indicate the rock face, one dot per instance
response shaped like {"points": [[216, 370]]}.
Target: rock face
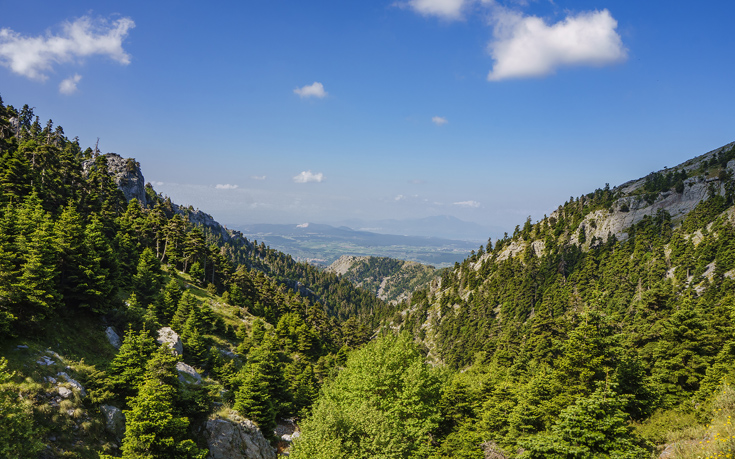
{"points": [[187, 374], [238, 438], [114, 421], [113, 338], [166, 335], [126, 174]]}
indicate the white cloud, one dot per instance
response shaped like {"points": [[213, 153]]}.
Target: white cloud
{"points": [[445, 9], [226, 186], [315, 89], [439, 121], [468, 204], [33, 57], [400, 197], [308, 176], [525, 46], [69, 86], [257, 177]]}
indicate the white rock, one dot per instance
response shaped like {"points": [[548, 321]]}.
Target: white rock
{"points": [[166, 335], [187, 374], [113, 338], [74, 383], [45, 361], [114, 421], [238, 438], [64, 392]]}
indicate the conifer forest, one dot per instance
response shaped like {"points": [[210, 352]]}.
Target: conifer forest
{"points": [[135, 327]]}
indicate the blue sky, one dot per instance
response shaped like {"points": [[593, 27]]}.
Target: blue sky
{"points": [[292, 111]]}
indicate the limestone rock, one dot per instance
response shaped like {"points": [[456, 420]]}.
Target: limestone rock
{"points": [[126, 174], [64, 392], [237, 438], [73, 383], [114, 421], [171, 338], [187, 374], [113, 338]]}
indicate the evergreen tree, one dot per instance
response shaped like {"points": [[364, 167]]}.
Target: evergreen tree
{"points": [[383, 404], [148, 277], [152, 428], [595, 426]]}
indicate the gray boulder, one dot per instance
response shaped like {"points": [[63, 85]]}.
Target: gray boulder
{"points": [[114, 421], [113, 338], [187, 374], [73, 383], [167, 336], [236, 438]]}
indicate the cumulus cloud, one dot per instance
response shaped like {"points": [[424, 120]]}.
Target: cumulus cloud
{"points": [[526, 46], [34, 57], [308, 176], [226, 186], [445, 9], [468, 204], [315, 89], [257, 177], [69, 86], [439, 121]]}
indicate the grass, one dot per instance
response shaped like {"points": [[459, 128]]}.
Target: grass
{"points": [[684, 438]]}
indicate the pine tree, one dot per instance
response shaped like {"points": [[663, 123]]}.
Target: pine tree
{"points": [[148, 278], [127, 370], [153, 430]]}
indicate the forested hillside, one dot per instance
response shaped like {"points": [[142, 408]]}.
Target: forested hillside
{"points": [[86, 252], [389, 279], [603, 330]]}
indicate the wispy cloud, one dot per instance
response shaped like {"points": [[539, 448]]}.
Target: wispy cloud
{"points": [[315, 89], [257, 177], [445, 9], [69, 86], [308, 176], [526, 46], [34, 57], [226, 186], [439, 121], [468, 204]]}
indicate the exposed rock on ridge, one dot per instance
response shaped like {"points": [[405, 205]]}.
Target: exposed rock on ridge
{"points": [[126, 174], [631, 207], [237, 438]]}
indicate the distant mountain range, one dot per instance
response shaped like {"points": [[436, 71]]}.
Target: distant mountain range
{"points": [[441, 226], [323, 244]]}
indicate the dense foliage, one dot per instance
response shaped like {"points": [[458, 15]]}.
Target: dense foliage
{"points": [[565, 347], [267, 330]]}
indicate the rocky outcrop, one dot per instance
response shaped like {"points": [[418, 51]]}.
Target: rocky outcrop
{"points": [[187, 374], [114, 421], [126, 173], [236, 438], [167, 336], [73, 383], [113, 338]]}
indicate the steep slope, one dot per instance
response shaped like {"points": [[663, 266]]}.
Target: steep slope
{"points": [[389, 279], [620, 301], [204, 318]]}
